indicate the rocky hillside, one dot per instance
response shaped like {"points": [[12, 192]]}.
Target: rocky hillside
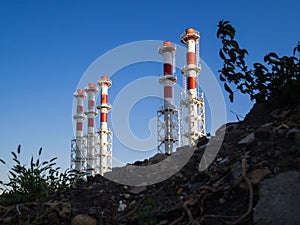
{"points": [[255, 179]]}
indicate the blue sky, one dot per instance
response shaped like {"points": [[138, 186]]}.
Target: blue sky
{"points": [[46, 46]]}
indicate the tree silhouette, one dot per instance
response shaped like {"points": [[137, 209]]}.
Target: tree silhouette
{"points": [[277, 79]]}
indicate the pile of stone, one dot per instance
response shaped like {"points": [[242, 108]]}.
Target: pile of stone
{"points": [[254, 179]]}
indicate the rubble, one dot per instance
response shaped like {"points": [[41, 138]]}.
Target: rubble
{"points": [[122, 206], [254, 154]]}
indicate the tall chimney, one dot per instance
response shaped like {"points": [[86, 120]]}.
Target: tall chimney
{"points": [[193, 102], [91, 91], [79, 117], [105, 133], [166, 129]]}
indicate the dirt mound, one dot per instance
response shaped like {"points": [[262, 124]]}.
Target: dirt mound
{"points": [[265, 145]]}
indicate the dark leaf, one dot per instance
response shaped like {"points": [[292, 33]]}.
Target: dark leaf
{"points": [[245, 68], [230, 30], [293, 59], [231, 97], [269, 56], [53, 159], [17, 161], [227, 88], [297, 48], [51, 164], [234, 44], [13, 174], [248, 77], [229, 27], [14, 154], [245, 51], [219, 33], [274, 55], [224, 22], [239, 76], [221, 53], [2, 161], [221, 30], [232, 55], [19, 149], [40, 151], [222, 78], [31, 162]]}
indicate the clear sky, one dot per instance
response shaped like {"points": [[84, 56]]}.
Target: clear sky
{"points": [[46, 46]]}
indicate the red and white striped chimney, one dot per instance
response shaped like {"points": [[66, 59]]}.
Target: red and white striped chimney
{"points": [[191, 39], [168, 80], [104, 107], [91, 91], [194, 102], [168, 51], [79, 117]]}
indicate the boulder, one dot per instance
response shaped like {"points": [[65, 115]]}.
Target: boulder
{"points": [[83, 219], [279, 113], [263, 132], [137, 189], [279, 200], [281, 129], [248, 139], [294, 134]]}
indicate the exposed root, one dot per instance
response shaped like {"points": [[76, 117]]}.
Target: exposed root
{"points": [[174, 222], [5, 214], [188, 211], [250, 204]]}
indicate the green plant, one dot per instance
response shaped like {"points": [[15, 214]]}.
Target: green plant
{"points": [[277, 79], [147, 214], [36, 181], [295, 149]]}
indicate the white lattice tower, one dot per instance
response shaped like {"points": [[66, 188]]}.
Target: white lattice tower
{"points": [[105, 134], [192, 103], [78, 158], [91, 91], [167, 116]]}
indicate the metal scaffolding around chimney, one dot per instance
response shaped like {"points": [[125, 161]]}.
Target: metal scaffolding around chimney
{"points": [[192, 109], [167, 115]]}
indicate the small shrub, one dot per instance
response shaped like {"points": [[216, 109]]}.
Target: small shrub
{"points": [[36, 181], [295, 149], [147, 214]]}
